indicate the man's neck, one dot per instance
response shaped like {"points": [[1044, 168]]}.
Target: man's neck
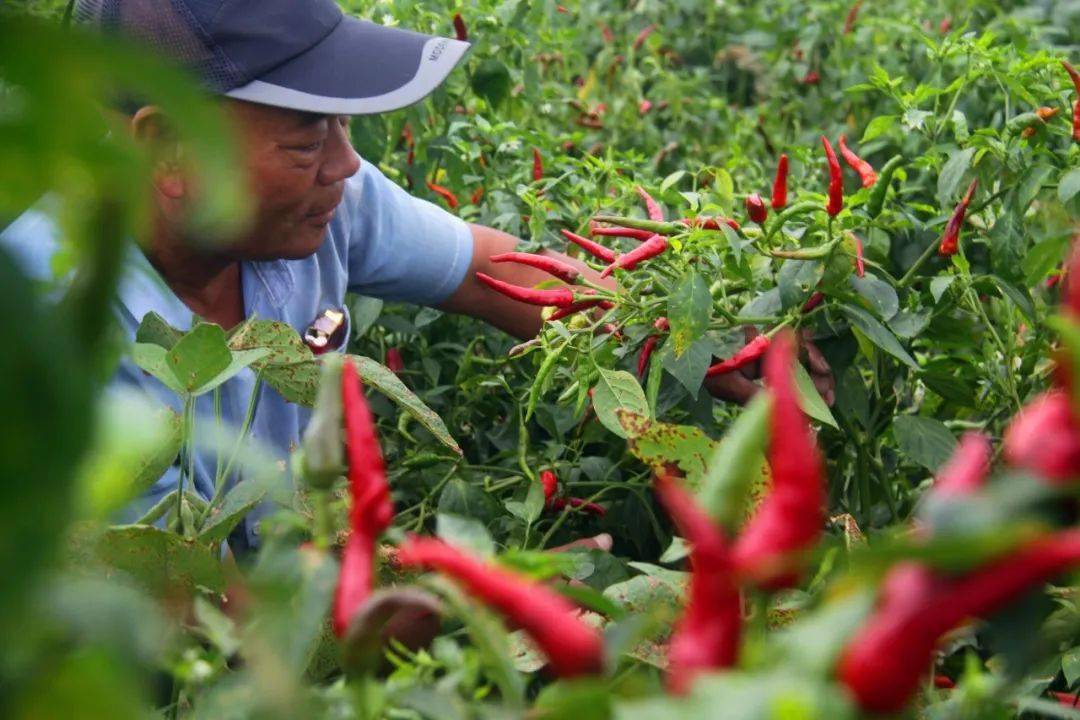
{"points": [[208, 284]]}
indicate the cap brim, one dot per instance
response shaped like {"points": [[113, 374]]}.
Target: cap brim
{"points": [[360, 68]]}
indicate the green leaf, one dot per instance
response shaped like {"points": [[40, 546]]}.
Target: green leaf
{"points": [[615, 390], [671, 180], [363, 313], [923, 440], [939, 285], [689, 369], [952, 175], [154, 330], [491, 81], [879, 294], [878, 126], [1070, 665], [153, 359], [735, 465], [810, 399], [878, 334], [199, 357], [1069, 185], [162, 562], [238, 502], [689, 311], [660, 445], [382, 379], [137, 441], [1019, 297], [467, 533]]}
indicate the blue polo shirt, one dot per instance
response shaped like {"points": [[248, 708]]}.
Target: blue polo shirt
{"points": [[382, 242]]}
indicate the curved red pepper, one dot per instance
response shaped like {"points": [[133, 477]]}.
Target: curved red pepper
{"points": [[550, 265], [884, 662], [643, 36], [579, 306], [965, 472], [595, 249], [558, 297], [950, 239], [572, 647], [634, 233], [645, 251], [864, 169], [779, 188], [460, 31], [750, 352], [1044, 437], [710, 223], [370, 510], [449, 197], [790, 518], [538, 165], [646, 353], [836, 180], [652, 209], [707, 635]]}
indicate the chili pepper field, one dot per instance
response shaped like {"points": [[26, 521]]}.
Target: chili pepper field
{"points": [[573, 526]]}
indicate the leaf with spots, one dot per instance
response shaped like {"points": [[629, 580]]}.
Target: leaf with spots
{"points": [[661, 446]]}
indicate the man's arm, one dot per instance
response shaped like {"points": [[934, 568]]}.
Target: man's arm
{"points": [[477, 300]]}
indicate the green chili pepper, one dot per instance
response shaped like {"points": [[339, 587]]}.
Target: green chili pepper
{"points": [[546, 368], [1021, 122], [812, 253], [799, 208], [881, 189]]}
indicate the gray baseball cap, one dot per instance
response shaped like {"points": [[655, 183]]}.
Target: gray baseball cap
{"points": [[299, 54]]}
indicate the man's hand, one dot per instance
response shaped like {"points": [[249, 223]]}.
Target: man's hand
{"points": [[739, 386]]}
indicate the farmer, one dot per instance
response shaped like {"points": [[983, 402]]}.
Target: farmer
{"points": [[290, 74]]}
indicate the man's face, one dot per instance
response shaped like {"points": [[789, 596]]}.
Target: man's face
{"points": [[297, 164]]}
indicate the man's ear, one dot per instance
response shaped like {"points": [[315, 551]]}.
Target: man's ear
{"points": [[151, 128]]}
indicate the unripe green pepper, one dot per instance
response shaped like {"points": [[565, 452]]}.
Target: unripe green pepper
{"points": [[322, 459]]}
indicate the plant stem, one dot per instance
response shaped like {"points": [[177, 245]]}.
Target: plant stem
{"points": [[910, 274]]}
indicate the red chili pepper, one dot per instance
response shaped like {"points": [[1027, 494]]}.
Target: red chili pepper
{"points": [[710, 223], [1076, 121], [393, 360], [779, 188], [558, 297], [477, 196], [578, 307], [460, 30], [965, 472], [643, 36], [605, 32], [1046, 113], [646, 353], [634, 233], [746, 355], [860, 263], [1074, 75], [853, 14], [550, 265], [706, 637], [550, 482], [945, 25], [613, 330], [1066, 699], [595, 249], [538, 166], [811, 78], [883, 663], [662, 324], [813, 301], [646, 250], [864, 170], [652, 208], [644, 106], [1044, 437], [371, 509], [950, 239], [571, 646], [836, 180], [944, 682], [790, 517], [449, 197], [755, 208]]}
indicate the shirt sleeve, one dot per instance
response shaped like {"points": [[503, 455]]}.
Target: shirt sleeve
{"points": [[401, 247]]}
